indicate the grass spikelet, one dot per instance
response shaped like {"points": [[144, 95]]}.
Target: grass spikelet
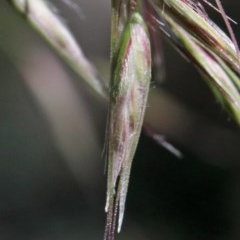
{"points": [[206, 46], [199, 25], [218, 75], [129, 90], [49, 25]]}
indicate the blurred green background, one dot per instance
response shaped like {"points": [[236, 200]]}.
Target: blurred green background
{"points": [[52, 182]]}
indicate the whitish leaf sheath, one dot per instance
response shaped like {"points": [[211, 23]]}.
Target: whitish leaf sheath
{"points": [[50, 26], [130, 85]]}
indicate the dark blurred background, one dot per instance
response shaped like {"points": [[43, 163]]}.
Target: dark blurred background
{"points": [[52, 182]]}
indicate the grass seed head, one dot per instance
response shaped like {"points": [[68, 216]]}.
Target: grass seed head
{"points": [[130, 85]]}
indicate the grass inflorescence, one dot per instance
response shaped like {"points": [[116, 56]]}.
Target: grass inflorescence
{"points": [[137, 26]]}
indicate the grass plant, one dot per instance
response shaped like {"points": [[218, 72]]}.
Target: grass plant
{"points": [[136, 26]]}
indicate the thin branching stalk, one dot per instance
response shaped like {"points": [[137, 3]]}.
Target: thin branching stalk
{"points": [[228, 25]]}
